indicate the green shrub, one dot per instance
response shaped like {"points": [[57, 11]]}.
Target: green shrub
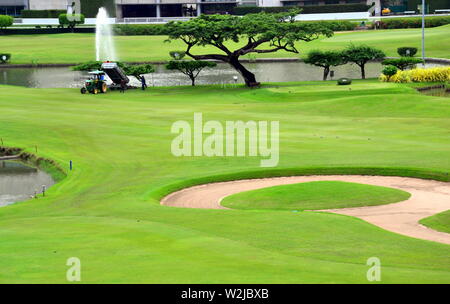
{"points": [[71, 20], [6, 21], [407, 51], [344, 81], [42, 13], [4, 58], [402, 63], [414, 22], [389, 71], [139, 29]]}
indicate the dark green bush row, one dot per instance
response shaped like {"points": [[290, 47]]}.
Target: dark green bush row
{"points": [[5, 57], [313, 9], [414, 22], [339, 25], [140, 29], [89, 8], [42, 13]]}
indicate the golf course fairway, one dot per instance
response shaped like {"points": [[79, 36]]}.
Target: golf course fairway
{"points": [[107, 211]]}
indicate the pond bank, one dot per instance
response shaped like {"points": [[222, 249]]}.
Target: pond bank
{"points": [[258, 60]]}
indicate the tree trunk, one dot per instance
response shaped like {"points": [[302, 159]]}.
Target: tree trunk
{"points": [[249, 77], [326, 71], [363, 71], [192, 80]]}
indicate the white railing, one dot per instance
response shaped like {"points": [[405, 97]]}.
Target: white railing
{"points": [[154, 20]]}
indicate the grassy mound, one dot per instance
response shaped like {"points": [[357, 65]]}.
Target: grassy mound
{"points": [[314, 196], [439, 222]]}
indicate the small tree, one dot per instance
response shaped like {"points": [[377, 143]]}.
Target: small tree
{"points": [[360, 55], [403, 63], [6, 21], [190, 68], [71, 20], [325, 60], [389, 71], [235, 36], [138, 70]]}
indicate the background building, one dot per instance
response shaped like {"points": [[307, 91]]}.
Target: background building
{"points": [[12, 7]]}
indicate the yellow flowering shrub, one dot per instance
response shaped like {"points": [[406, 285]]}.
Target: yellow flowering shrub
{"points": [[438, 74]]}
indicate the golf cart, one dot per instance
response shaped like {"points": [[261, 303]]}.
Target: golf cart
{"points": [[95, 84]]}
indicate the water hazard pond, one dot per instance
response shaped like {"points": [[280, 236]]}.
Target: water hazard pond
{"points": [[19, 182], [64, 77]]}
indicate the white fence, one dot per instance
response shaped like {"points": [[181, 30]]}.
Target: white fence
{"points": [[54, 21], [333, 16]]}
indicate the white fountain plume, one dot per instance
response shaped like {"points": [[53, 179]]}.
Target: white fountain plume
{"points": [[104, 44]]}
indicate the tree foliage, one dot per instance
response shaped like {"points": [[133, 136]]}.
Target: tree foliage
{"points": [[190, 68], [253, 33], [407, 51], [360, 55], [6, 21], [325, 60], [403, 63], [389, 71]]}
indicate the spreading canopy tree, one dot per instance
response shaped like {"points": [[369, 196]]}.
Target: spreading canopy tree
{"points": [[360, 55], [252, 33], [326, 60]]}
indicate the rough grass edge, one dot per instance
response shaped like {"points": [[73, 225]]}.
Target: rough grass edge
{"points": [[422, 173], [48, 165], [434, 222]]}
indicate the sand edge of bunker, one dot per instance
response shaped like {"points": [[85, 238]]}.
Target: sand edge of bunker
{"points": [[401, 217]]}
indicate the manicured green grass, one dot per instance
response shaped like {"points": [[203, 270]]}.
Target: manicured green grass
{"points": [[440, 221], [106, 211], [314, 196], [75, 48]]}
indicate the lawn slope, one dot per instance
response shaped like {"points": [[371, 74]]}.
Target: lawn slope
{"points": [[107, 212]]}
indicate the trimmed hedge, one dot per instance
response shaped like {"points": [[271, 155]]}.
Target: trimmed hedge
{"points": [[414, 22], [45, 31], [5, 57], [407, 51], [89, 8], [313, 9], [42, 13], [139, 29]]}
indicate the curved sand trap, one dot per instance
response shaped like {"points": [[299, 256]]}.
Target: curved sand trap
{"points": [[428, 197]]}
